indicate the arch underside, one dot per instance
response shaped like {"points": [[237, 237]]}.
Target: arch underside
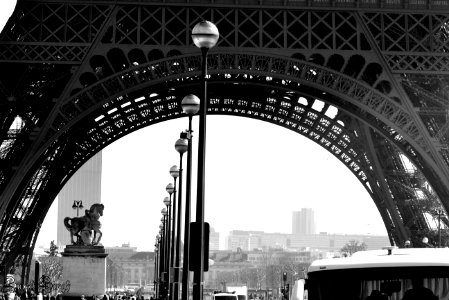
{"points": [[343, 128], [77, 91]]}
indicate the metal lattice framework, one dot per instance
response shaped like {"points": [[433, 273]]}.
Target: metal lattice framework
{"points": [[365, 79]]}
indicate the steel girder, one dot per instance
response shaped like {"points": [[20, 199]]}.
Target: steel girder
{"points": [[364, 79]]}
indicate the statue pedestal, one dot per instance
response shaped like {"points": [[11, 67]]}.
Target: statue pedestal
{"points": [[85, 268]]}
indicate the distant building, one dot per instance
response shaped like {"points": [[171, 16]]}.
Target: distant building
{"points": [[214, 240], [251, 240], [138, 269], [225, 262], [240, 239], [84, 185], [276, 257], [234, 268], [124, 251], [130, 266], [334, 242], [303, 222], [254, 240]]}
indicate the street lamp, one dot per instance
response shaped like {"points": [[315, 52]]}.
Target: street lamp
{"points": [[157, 252], [77, 204], [163, 233], [170, 190], [156, 264], [162, 256], [190, 105], [205, 36], [168, 243], [161, 262], [181, 147], [174, 172]]}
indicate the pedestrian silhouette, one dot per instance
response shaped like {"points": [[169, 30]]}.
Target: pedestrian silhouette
{"points": [[377, 295], [418, 291]]}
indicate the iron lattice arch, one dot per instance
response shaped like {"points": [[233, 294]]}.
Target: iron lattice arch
{"points": [[365, 80]]}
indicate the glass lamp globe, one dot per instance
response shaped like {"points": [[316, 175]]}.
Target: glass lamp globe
{"points": [[190, 104], [205, 34], [170, 189], [181, 146], [174, 171]]}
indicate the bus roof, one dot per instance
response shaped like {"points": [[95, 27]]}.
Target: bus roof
{"points": [[385, 258]]}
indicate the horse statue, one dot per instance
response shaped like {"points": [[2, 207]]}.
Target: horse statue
{"points": [[86, 224]]}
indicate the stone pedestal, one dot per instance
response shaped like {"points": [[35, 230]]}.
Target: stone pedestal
{"points": [[85, 268]]}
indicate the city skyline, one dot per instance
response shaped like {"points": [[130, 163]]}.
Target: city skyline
{"points": [[256, 174], [138, 198]]}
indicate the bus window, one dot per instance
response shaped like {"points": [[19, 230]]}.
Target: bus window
{"points": [[224, 296]]}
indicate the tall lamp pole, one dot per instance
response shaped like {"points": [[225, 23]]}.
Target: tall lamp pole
{"points": [[163, 255], [77, 204], [205, 36], [190, 105], [181, 147], [174, 172], [156, 264], [168, 245]]}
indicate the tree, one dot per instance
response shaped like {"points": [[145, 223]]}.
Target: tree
{"points": [[263, 268], [353, 246], [51, 282]]}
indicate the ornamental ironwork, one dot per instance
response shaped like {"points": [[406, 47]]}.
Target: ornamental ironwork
{"points": [[366, 80]]}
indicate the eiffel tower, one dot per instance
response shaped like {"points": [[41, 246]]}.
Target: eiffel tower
{"points": [[365, 79]]}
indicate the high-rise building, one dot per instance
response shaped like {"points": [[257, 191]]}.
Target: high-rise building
{"points": [[214, 240], [84, 185], [303, 222]]}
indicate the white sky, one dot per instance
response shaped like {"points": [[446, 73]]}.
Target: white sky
{"points": [[256, 175]]}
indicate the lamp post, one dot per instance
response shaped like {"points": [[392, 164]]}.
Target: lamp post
{"points": [[162, 256], [77, 204], [157, 249], [174, 172], [160, 261], [168, 243], [170, 190], [181, 147], [163, 253], [190, 105], [205, 36]]}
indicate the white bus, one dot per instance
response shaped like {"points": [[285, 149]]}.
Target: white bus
{"points": [[225, 296], [387, 274]]}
